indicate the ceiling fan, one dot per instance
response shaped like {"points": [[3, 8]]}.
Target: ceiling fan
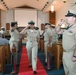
{"points": [[73, 4]]}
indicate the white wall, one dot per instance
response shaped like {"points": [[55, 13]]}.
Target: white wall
{"points": [[23, 16], [60, 14], [42, 18], [8, 17], [3, 18]]}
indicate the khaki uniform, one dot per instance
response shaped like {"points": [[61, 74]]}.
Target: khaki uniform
{"points": [[32, 46], [14, 40], [69, 45], [54, 36], [47, 35]]}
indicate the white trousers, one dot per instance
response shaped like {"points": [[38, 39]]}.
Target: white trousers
{"points": [[69, 65], [32, 54], [45, 50], [14, 54]]}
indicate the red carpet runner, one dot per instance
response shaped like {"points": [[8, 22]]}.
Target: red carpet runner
{"points": [[24, 63]]}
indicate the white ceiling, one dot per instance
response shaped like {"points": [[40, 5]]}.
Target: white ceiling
{"points": [[2, 7], [32, 3], [57, 5], [40, 4]]}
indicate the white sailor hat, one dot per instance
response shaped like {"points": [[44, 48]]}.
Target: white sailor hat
{"points": [[52, 25], [47, 24]]}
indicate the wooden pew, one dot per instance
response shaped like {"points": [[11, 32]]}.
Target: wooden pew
{"points": [[58, 55], [52, 49], [7, 53], [56, 51], [2, 59]]}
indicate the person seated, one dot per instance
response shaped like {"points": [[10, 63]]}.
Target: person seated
{"points": [[3, 41]]}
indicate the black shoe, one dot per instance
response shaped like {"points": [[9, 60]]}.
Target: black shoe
{"points": [[17, 65], [45, 63], [13, 73], [30, 66], [49, 69], [35, 72]]}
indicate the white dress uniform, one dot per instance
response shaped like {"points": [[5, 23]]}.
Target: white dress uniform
{"points": [[47, 35], [69, 45], [14, 40], [32, 46]]}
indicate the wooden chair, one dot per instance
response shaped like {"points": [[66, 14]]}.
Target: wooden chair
{"points": [[58, 55], [2, 59]]}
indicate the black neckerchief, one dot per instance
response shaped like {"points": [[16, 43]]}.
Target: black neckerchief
{"points": [[43, 32], [69, 27]]}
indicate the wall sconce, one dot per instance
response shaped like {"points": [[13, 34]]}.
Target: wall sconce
{"points": [[64, 1], [52, 8]]}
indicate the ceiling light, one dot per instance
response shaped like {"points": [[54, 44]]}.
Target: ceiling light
{"points": [[47, 2], [52, 8], [64, 1], [1, 0]]}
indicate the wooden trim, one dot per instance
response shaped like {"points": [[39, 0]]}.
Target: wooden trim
{"points": [[52, 17], [7, 26]]}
